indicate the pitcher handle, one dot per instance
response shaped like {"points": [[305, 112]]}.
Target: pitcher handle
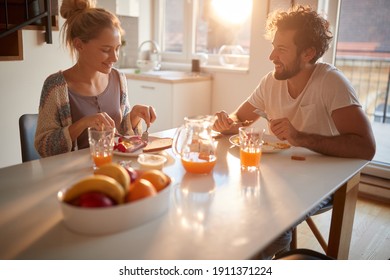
{"points": [[175, 146]]}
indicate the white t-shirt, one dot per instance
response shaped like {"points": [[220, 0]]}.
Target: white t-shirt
{"points": [[327, 90]]}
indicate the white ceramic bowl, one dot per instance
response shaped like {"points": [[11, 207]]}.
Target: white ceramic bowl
{"points": [[151, 161], [107, 220]]}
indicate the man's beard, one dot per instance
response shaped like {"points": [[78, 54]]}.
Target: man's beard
{"points": [[288, 73]]}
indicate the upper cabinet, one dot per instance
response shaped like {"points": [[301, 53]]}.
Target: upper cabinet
{"points": [[121, 7], [16, 15]]}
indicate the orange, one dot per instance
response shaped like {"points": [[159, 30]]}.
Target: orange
{"points": [[159, 179], [141, 188]]}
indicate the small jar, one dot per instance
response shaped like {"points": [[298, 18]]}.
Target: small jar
{"points": [[151, 161]]}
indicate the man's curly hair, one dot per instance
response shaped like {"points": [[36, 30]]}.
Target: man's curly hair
{"points": [[312, 29]]}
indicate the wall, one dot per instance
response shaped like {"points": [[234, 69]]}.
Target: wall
{"points": [[130, 25], [20, 87]]}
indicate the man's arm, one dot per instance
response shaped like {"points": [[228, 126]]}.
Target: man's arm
{"points": [[227, 123], [356, 139]]}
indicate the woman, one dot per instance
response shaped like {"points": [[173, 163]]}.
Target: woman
{"points": [[91, 93]]}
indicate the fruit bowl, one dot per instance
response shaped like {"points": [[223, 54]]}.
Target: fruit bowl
{"points": [[108, 220]]}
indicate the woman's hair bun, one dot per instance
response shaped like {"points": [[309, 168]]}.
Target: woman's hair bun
{"points": [[71, 7]]}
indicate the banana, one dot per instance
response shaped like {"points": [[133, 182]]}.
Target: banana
{"points": [[96, 183], [116, 172]]}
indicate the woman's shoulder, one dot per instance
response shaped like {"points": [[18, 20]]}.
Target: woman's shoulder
{"points": [[54, 88], [122, 79], [54, 80], [120, 74]]}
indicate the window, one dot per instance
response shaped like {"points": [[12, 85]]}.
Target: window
{"points": [[216, 31], [363, 54]]}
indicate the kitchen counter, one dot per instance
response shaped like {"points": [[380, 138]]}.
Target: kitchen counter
{"points": [[173, 94], [165, 76]]}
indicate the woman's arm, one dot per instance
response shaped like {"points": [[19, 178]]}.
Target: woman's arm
{"points": [[52, 134]]}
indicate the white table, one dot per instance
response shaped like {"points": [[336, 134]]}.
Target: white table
{"points": [[224, 215]]}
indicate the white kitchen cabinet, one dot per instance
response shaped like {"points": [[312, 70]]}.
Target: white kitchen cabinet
{"points": [[172, 100]]}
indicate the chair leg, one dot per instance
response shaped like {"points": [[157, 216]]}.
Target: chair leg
{"points": [[317, 234], [294, 239]]}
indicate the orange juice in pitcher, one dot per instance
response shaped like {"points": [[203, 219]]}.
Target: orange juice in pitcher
{"points": [[194, 145]]}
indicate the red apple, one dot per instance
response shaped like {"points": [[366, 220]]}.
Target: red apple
{"points": [[132, 173], [121, 147], [93, 199]]}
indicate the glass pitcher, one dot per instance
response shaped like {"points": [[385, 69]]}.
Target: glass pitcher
{"points": [[194, 145]]}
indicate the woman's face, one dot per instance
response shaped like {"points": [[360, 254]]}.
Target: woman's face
{"points": [[101, 53]]}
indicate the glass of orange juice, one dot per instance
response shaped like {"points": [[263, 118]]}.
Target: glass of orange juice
{"points": [[101, 145], [251, 141]]}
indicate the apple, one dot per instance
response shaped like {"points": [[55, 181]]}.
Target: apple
{"points": [[132, 173], [93, 199], [121, 147]]}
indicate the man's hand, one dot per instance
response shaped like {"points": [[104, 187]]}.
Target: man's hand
{"points": [[284, 130], [223, 122]]}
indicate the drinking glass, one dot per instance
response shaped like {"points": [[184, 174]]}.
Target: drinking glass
{"points": [[101, 145], [251, 141]]}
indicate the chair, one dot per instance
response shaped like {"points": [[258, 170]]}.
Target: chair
{"points": [[27, 128], [302, 254], [314, 229]]}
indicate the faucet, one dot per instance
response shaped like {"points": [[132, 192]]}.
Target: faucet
{"points": [[151, 58]]}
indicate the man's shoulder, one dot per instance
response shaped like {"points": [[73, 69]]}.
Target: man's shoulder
{"points": [[328, 72], [325, 67]]}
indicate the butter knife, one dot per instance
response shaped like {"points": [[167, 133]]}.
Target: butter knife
{"points": [[145, 135]]}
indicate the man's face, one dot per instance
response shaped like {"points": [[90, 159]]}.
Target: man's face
{"points": [[284, 55]]}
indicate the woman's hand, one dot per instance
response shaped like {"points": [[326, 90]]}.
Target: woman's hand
{"points": [[98, 121], [138, 112]]}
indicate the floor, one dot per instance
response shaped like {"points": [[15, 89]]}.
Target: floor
{"points": [[371, 231]]}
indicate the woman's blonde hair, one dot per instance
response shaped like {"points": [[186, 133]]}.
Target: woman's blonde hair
{"points": [[85, 21]]}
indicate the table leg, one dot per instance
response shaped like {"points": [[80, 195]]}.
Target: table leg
{"points": [[344, 204]]}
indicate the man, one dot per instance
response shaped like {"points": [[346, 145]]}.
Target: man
{"points": [[308, 103]]}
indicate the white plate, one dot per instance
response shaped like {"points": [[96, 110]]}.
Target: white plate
{"points": [[270, 142], [215, 134], [126, 154], [136, 153], [235, 140]]}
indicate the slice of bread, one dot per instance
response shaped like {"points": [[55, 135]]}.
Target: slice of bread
{"points": [[157, 144]]}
